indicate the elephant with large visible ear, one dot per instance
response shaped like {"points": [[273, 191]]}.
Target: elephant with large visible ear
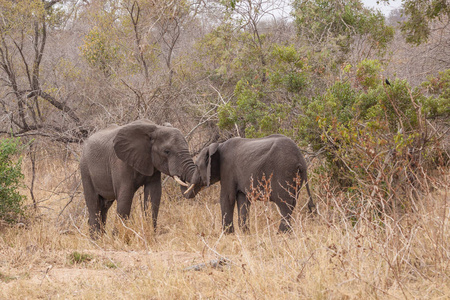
{"points": [[116, 161], [238, 161]]}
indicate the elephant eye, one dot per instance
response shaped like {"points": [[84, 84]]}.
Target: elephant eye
{"points": [[167, 152]]}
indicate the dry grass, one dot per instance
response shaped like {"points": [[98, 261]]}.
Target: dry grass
{"points": [[327, 256]]}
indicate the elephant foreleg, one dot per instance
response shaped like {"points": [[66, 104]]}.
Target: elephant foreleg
{"points": [[124, 200], [227, 203], [243, 211], [153, 188]]}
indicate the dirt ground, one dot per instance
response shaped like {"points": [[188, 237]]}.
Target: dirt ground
{"points": [[106, 267], [60, 271]]}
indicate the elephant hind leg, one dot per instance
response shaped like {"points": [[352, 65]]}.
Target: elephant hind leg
{"points": [[285, 224], [94, 221], [304, 179], [105, 205], [97, 215], [243, 211], [286, 205], [93, 203]]}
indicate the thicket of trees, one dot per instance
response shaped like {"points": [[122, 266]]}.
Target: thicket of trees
{"points": [[314, 70]]}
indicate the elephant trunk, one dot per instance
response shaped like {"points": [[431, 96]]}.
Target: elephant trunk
{"points": [[191, 191], [188, 167]]}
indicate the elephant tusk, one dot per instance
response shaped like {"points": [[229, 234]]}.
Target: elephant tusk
{"points": [[177, 179], [189, 189]]}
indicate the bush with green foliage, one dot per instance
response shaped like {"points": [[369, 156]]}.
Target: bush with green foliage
{"points": [[259, 108], [438, 89], [376, 136], [11, 202], [251, 112], [336, 24], [99, 51]]}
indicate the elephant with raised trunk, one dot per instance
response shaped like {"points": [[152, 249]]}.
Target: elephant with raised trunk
{"points": [[239, 162], [116, 161]]}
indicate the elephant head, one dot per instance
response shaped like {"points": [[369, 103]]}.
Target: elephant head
{"points": [[207, 171], [146, 147]]}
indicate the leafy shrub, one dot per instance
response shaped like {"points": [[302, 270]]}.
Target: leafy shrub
{"points": [[339, 22], [367, 72], [378, 142], [251, 112], [263, 102], [99, 51], [438, 103], [290, 72], [11, 202]]}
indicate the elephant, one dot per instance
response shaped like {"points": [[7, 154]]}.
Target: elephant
{"points": [[116, 161], [239, 163]]}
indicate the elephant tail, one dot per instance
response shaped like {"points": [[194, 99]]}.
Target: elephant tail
{"points": [[304, 178]]}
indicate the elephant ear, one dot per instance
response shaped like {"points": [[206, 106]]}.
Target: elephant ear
{"points": [[133, 145], [212, 154]]}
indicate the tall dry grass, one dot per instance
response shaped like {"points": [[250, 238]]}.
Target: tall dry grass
{"points": [[333, 254]]}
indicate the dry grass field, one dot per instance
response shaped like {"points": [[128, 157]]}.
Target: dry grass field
{"points": [[327, 255]]}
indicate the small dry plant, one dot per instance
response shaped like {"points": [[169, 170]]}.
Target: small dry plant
{"points": [[262, 190]]}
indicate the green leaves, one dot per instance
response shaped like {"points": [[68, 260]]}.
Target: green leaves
{"points": [[76, 258], [322, 22], [367, 73], [99, 51], [230, 4], [21, 15], [438, 103], [10, 180], [421, 14], [288, 71], [248, 108], [252, 112], [367, 126]]}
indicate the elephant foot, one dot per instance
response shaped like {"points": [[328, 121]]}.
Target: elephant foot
{"points": [[312, 208], [96, 230], [284, 228], [245, 230], [96, 233], [228, 229]]}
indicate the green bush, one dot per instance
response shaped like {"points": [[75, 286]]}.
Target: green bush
{"points": [[376, 137], [252, 112], [367, 73], [11, 202], [438, 87], [289, 72]]}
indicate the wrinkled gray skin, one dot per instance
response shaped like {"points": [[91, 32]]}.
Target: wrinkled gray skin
{"points": [[237, 160], [116, 161]]}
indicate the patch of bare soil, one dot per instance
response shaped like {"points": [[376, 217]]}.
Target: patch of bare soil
{"points": [[138, 259], [100, 266]]}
